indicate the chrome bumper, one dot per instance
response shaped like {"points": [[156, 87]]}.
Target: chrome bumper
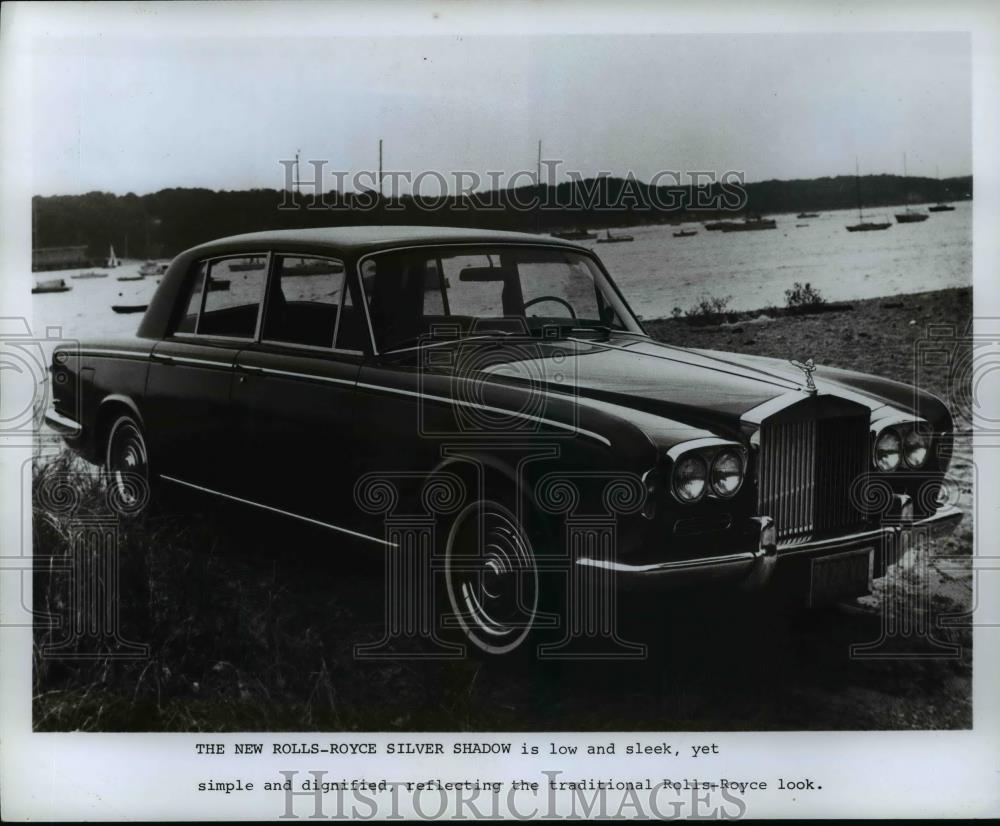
{"points": [[62, 425], [752, 569]]}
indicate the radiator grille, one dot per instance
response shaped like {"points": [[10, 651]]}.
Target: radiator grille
{"points": [[805, 473]]}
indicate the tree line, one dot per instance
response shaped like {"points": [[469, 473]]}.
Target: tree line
{"points": [[163, 223]]}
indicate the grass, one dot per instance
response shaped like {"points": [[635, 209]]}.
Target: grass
{"points": [[251, 624]]}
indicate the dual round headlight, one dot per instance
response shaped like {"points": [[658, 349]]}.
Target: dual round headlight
{"points": [[693, 476], [893, 449]]}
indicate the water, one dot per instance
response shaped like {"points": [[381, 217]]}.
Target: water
{"points": [[657, 272]]}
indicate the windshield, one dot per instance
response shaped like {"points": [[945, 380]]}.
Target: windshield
{"points": [[470, 291]]}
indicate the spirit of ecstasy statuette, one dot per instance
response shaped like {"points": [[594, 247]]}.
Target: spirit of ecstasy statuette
{"points": [[808, 367]]}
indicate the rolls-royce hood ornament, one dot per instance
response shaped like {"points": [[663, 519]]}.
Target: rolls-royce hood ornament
{"points": [[808, 367]]}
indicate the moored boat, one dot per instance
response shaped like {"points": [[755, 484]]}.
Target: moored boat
{"points": [[750, 224], [685, 233], [129, 308], [808, 215], [130, 277], [862, 225], [93, 274], [614, 239], [941, 206], [908, 215], [869, 226], [52, 285]]}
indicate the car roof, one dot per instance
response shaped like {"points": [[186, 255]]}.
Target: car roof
{"points": [[369, 238]]}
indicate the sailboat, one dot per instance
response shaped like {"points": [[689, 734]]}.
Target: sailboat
{"points": [[112, 258], [862, 225], [909, 216], [941, 206]]}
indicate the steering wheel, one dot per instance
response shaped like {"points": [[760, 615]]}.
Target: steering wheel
{"points": [[555, 298]]}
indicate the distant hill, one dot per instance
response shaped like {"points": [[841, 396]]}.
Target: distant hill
{"points": [[164, 223]]}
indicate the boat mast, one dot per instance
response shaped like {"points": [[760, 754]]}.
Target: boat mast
{"points": [[906, 185], [857, 178], [538, 184], [381, 213]]}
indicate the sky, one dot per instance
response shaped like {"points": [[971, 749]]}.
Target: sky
{"points": [[138, 114]]}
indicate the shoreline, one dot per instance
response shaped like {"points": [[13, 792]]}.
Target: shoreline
{"points": [[873, 335]]}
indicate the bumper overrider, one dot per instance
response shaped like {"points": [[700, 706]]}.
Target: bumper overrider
{"points": [[752, 569], [63, 425]]}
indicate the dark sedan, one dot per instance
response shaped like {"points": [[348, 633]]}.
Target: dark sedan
{"points": [[487, 406]]}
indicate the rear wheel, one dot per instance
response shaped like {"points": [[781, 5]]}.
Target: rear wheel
{"points": [[127, 465], [492, 578]]}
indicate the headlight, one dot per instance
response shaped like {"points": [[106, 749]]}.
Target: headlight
{"points": [[915, 448], [727, 473], [689, 478], [888, 450]]}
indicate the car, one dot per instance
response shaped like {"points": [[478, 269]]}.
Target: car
{"points": [[486, 406]]}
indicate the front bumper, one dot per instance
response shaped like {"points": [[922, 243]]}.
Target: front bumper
{"points": [[63, 425], [754, 568]]}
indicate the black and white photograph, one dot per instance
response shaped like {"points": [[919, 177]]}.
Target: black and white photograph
{"points": [[599, 400]]}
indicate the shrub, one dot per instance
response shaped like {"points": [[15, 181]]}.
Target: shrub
{"points": [[803, 295], [708, 309]]}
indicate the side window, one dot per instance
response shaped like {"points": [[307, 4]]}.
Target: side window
{"points": [[304, 301], [190, 317], [234, 290]]}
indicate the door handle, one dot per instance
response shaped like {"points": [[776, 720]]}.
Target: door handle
{"points": [[245, 370], [164, 358]]}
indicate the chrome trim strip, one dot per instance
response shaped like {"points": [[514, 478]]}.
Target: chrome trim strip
{"points": [[708, 441], [291, 374], [60, 423], [896, 418], [682, 565], [113, 353], [490, 408], [301, 518], [169, 357], [312, 348]]}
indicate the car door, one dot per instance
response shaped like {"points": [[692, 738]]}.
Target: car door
{"points": [[294, 393], [188, 409]]}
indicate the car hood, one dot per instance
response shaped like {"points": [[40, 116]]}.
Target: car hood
{"points": [[696, 386]]}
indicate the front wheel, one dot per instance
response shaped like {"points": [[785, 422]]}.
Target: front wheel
{"points": [[127, 465], [492, 578]]}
